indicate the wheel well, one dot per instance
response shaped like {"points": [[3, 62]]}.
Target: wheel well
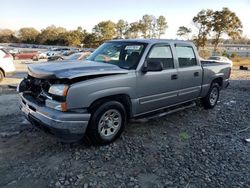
{"points": [[218, 80], [122, 98], [2, 71]]}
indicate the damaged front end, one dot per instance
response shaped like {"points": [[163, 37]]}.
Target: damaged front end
{"points": [[45, 92], [38, 89], [43, 102], [49, 82]]}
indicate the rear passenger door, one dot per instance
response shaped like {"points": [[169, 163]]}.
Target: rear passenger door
{"points": [[190, 73], [158, 89]]}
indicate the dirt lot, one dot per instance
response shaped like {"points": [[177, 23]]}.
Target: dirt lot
{"points": [[192, 148]]}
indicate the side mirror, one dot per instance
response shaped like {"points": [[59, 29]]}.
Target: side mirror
{"points": [[152, 66]]}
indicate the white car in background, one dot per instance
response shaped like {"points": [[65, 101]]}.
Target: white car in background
{"points": [[6, 64], [221, 59], [42, 55]]}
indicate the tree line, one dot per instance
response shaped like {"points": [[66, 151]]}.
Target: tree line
{"points": [[209, 26], [147, 27]]}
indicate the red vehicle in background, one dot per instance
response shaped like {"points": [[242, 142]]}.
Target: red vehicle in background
{"points": [[27, 55]]}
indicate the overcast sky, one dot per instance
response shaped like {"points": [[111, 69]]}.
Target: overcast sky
{"points": [[72, 13]]}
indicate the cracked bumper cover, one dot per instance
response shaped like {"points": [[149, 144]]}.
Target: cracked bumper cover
{"points": [[65, 125]]}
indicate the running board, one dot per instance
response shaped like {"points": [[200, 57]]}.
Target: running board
{"points": [[168, 111], [171, 111]]}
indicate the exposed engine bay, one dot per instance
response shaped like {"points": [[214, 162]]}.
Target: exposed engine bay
{"points": [[38, 88]]}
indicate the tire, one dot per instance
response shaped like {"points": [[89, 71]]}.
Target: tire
{"points": [[35, 58], [107, 123], [212, 97], [1, 76]]}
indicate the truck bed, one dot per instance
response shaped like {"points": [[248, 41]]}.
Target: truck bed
{"points": [[208, 62], [213, 70]]}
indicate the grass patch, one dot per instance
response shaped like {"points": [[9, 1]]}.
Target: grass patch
{"points": [[184, 136]]}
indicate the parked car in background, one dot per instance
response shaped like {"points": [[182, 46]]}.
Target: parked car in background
{"points": [[49, 53], [78, 56], [87, 50], [13, 51], [70, 52], [27, 55], [42, 55], [75, 56], [57, 51], [122, 79], [6, 64], [221, 59]]}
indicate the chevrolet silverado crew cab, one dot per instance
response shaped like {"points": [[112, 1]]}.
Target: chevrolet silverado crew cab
{"points": [[122, 79]]}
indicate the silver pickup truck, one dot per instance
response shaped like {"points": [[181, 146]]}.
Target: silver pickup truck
{"points": [[120, 80]]}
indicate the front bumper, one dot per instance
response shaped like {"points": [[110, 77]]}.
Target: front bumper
{"points": [[64, 125]]}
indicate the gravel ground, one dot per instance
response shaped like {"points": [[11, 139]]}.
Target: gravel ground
{"points": [[192, 148]]}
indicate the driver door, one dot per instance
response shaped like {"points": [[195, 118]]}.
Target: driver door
{"points": [[158, 89]]}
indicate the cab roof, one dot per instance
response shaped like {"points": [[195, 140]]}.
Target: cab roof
{"points": [[152, 41]]}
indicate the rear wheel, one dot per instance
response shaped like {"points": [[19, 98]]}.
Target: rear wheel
{"points": [[212, 97], [1, 75], [35, 58], [107, 123]]}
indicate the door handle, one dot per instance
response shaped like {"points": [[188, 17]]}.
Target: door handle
{"points": [[196, 74], [174, 77]]}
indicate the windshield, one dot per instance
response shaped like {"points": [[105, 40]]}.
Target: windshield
{"points": [[126, 55]]}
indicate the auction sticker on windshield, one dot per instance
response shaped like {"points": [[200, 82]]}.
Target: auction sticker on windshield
{"points": [[134, 47]]}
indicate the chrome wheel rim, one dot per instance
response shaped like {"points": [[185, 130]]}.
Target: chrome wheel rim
{"points": [[109, 123], [213, 96]]}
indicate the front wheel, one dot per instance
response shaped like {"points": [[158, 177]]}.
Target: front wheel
{"points": [[211, 99], [107, 123]]}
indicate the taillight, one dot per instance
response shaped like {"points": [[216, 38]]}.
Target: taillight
{"points": [[7, 56]]}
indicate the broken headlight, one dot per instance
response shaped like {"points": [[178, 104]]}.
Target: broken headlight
{"points": [[59, 89]]}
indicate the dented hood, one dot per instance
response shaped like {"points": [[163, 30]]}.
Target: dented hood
{"points": [[70, 70]]}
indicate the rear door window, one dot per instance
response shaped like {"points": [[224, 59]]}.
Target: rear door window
{"points": [[186, 56]]}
